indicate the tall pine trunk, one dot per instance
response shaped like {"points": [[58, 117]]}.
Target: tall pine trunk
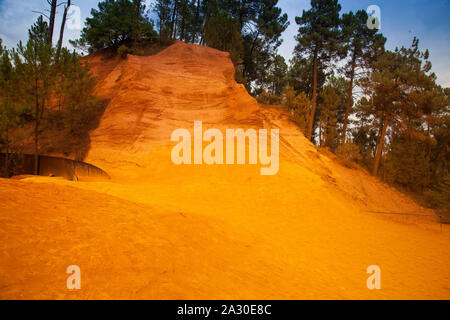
{"points": [[380, 144], [320, 133], [36, 129], [160, 32], [314, 99], [61, 32], [52, 20], [7, 152], [182, 28], [349, 99], [173, 32], [197, 15], [36, 142]]}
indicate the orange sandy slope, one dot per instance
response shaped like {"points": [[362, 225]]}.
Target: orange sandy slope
{"points": [[161, 231]]}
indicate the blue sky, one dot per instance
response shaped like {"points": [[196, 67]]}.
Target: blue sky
{"points": [[401, 20]]}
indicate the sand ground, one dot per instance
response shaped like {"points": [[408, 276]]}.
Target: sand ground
{"points": [[216, 233]]}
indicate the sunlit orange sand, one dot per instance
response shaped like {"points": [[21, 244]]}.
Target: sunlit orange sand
{"points": [[161, 231]]}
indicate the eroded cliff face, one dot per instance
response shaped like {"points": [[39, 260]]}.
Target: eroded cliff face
{"points": [[152, 96]]}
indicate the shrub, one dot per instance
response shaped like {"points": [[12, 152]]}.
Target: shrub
{"points": [[268, 98], [299, 110], [348, 154], [124, 50]]}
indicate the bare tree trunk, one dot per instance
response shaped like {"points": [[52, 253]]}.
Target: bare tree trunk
{"points": [[349, 99], [380, 145], [428, 140], [36, 130], [440, 158], [183, 27], [197, 15], [53, 5], [7, 152], [36, 144], [61, 32], [135, 31], [160, 32], [314, 99], [183, 22], [320, 133], [173, 32]]}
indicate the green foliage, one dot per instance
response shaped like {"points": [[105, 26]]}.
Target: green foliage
{"points": [[403, 125], [39, 31], [262, 25], [74, 92], [277, 75], [365, 132], [124, 50], [163, 11], [10, 119], [300, 75], [341, 86], [348, 154], [361, 44], [395, 84], [407, 164], [328, 134], [222, 32], [298, 105], [439, 194], [43, 92], [114, 23], [318, 37], [289, 96], [268, 98], [34, 64], [318, 33]]}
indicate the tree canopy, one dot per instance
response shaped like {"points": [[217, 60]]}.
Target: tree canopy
{"points": [[114, 23]]}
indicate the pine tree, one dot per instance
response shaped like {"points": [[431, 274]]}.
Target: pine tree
{"points": [[341, 86], [53, 5], [363, 45], [262, 24], [439, 195], [223, 32], [318, 37], [289, 96], [34, 63], [9, 110], [277, 75], [398, 82], [116, 23], [366, 130], [37, 89], [300, 75], [300, 113], [408, 165], [76, 86], [163, 11], [61, 32], [328, 108]]}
